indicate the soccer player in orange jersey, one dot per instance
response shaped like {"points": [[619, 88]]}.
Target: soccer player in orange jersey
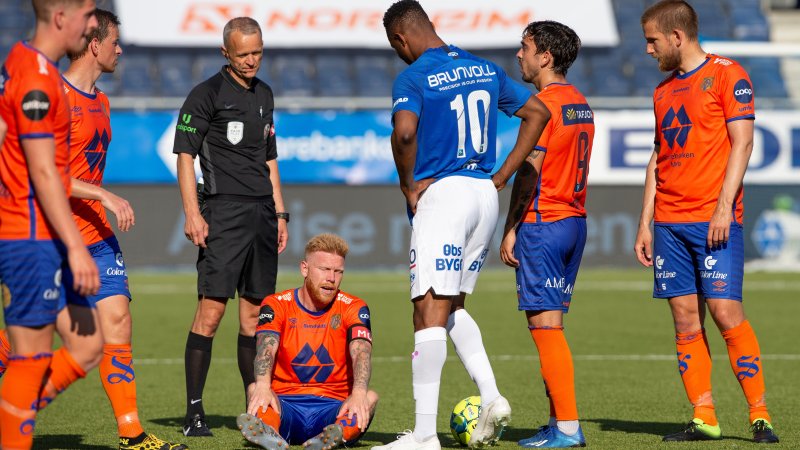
{"points": [[40, 246], [704, 113], [312, 366], [89, 140], [545, 229]]}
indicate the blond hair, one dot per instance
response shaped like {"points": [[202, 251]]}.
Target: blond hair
{"points": [[328, 243]]}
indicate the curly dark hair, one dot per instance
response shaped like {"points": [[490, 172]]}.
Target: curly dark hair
{"points": [[561, 40], [403, 11]]}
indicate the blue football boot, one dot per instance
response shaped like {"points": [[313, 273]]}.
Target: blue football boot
{"points": [[551, 437]]}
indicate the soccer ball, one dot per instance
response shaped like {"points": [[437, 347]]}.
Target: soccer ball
{"points": [[465, 418]]}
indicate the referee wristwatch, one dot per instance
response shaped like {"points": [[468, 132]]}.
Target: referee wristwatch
{"points": [[283, 215]]}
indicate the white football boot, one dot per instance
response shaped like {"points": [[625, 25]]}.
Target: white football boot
{"points": [[492, 420], [406, 441]]}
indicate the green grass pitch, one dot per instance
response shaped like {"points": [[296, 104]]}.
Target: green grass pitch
{"points": [[628, 388]]}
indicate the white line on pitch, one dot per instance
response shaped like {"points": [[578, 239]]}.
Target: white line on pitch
{"points": [[402, 359]]}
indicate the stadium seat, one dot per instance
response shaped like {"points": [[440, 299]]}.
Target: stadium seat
{"points": [[175, 70], [109, 83], [207, 63], [136, 72], [372, 75], [334, 77], [293, 75]]}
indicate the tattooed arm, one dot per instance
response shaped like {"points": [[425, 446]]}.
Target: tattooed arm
{"points": [[521, 195], [357, 403], [262, 396]]}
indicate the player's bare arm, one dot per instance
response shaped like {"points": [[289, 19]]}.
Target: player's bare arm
{"points": [[3, 129], [262, 396], [358, 403], [196, 228], [404, 150], [40, 156], [644, 237], [118, 206], [534, 115], [522, 192], [275, 179], [740, 133]]}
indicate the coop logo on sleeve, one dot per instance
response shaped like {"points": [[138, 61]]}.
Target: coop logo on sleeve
{"points": [[742, 91]]}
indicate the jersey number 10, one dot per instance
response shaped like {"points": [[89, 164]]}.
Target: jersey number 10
{"points": [[477, 133]]}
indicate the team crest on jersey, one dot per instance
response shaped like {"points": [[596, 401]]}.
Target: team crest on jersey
{"points": [[707, 83], [235, 132], [336, 321]]}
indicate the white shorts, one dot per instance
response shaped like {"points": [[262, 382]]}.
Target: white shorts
{"points": [[451, 233]]}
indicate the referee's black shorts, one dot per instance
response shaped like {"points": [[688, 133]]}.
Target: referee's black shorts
{"points": [[241, 251]]}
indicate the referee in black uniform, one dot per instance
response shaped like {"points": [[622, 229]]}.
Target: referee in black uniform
{"points": [[240, 221]]}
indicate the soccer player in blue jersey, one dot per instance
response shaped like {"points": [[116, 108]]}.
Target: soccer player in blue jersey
{"points": [[445, 126]]}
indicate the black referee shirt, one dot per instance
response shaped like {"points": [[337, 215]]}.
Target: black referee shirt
{"points": [[232, 129]]}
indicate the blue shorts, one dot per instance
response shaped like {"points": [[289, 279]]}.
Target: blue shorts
{"points": [[113, 275], [304, 416], [36, 282], [683, 263], [549, 255]]}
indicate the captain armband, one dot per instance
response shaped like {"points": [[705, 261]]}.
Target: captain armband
{"points": [[359, 331]]}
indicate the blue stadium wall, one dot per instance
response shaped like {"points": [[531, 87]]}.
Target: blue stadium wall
{"points": [[338, 176]]}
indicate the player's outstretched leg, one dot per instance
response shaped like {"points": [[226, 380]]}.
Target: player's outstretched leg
{"points": [[330, 437], [254, 430]]}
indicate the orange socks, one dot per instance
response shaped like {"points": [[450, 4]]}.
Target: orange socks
{"points": [[745, 358], [18, 399], [350, 430], [271, 418], [555, 359], [63, 372], [694, 365], [119, 382]]}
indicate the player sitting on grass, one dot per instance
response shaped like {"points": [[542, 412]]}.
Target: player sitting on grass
{"points": [[312, 364]]}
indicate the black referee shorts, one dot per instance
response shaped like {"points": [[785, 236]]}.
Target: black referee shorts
{"points": [[241, 251]]}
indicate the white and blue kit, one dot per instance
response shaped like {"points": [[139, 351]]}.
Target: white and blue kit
{"points": [[456, 96]]}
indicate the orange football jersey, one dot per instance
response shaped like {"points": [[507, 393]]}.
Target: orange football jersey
{"points": [[34, 106], [314, 346], [692, 112], [567, 142], [90, 135]]}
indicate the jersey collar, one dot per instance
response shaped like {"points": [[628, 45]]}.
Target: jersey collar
{"points": [[692, 72]]}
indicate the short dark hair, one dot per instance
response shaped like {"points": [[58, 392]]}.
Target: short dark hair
{"points": [[560, 40], [671, 15], [404, 11], [105, 20]]}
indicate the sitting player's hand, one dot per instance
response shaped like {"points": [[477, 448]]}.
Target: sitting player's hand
{"points": [[356, 405], [261, 398]]}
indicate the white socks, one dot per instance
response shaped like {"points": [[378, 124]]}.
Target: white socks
{"points": [[430, 352], [466, 338], [568, 427]]}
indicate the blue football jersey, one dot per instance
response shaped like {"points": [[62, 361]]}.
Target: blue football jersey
{"points": [[456, 96]]}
